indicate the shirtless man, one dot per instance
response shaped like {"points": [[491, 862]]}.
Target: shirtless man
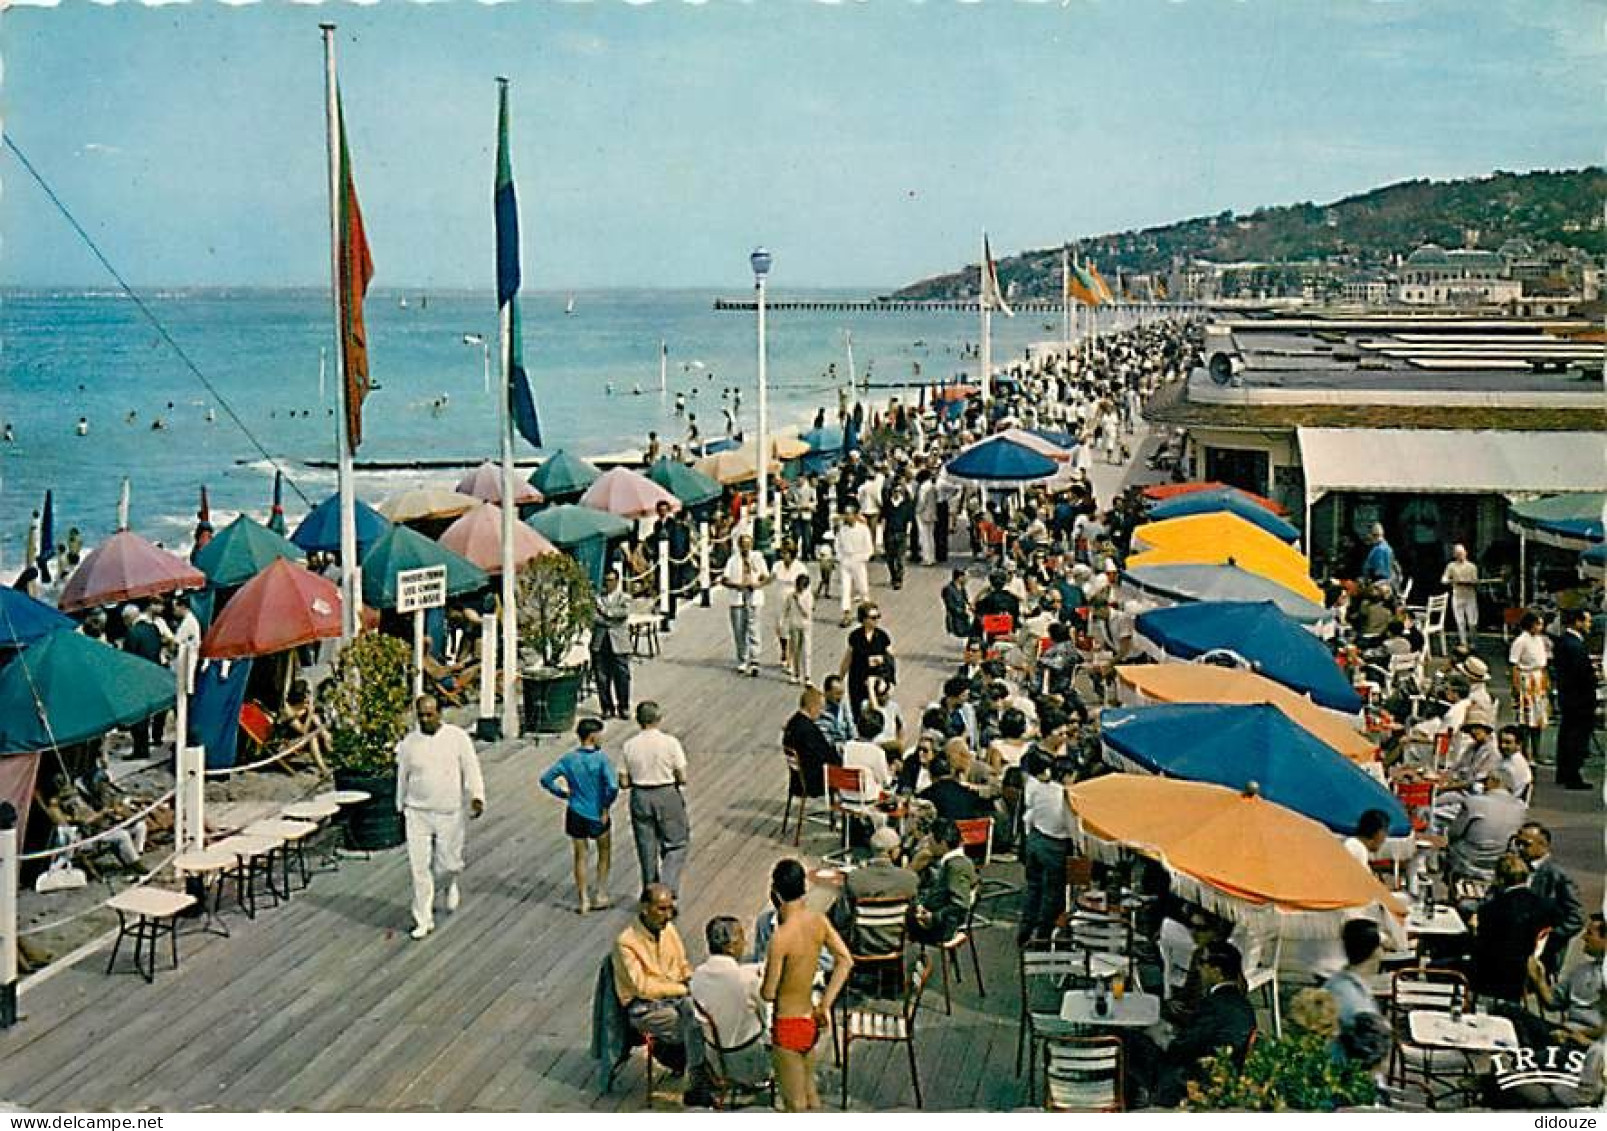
{"points": [[789, 976]]}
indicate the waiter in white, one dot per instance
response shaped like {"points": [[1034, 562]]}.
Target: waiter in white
{"points": [[855, 545], [437, 770]]}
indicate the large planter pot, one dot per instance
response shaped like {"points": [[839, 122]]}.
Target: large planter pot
{"points": [[548, 700], [374, 824]]}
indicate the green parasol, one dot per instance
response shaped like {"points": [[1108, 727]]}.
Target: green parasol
{"points": [[69, 688], [404, 548], [240, 551]]}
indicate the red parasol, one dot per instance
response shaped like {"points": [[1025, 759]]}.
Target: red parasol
{"points": [[478, 537], [284, 606], [126, 567], [485, 482], [1161, 491]]}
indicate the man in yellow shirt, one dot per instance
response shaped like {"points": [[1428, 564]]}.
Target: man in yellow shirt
{"points": [[652, 977]]}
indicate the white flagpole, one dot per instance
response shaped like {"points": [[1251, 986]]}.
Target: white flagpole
{"points": [[663, 367], [510, 617], [853, 378], [323, 361], [986, 353], [350, 567], [1065, 297], [122, 505]]}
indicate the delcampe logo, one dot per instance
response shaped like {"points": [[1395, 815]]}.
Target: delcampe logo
{"points": [[1554, 1065]]}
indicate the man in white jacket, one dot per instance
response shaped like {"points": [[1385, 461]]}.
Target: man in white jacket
{"points": [[854, 549], [437, 770]]}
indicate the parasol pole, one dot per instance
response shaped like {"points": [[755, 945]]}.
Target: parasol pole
{"points": [[350, 567]]}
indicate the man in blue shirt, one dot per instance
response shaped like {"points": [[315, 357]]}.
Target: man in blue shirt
{"points": [[589, 788], [1379, 566]]}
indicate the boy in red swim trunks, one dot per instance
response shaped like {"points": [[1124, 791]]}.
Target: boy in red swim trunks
{"points": [[789, 976]]}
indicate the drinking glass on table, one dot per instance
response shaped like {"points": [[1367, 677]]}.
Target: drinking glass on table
{"points": [[1118, 985]]}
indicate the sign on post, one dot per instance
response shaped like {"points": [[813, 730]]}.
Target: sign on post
{"points": [[416, 591]]}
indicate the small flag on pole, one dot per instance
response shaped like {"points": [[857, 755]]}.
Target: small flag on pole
{"points": [[1101, 288], [1080, 285], [276, 520], [521, 401], [203, 524], [356, 271], [992, 293], [47, 539]]}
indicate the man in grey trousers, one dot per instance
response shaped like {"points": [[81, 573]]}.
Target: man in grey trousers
{"points": [[654, 771]]}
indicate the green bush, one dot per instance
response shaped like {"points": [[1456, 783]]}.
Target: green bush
{"points": [[1298, 1073], [367, 703], [555, 607]]}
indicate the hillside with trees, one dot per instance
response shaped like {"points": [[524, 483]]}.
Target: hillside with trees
{"points": [[1545, 208]]}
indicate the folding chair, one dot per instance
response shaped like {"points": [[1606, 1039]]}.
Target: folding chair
{"points": [[1083, 1074], [1414, 990], [853, 780], [895, 1028]]}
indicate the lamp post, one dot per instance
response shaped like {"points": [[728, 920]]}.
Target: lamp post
{"points": [[485, 351], [760, 261]]}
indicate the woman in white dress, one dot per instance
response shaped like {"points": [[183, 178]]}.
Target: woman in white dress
{"points": [[1528, 657]]}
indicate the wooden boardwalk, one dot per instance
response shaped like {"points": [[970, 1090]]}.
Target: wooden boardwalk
{"points": [[326, 1004]]}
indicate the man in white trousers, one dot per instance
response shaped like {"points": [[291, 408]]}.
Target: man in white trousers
{"points": [[926, 516], [437, 771], [1462, 576], [854, 549]]}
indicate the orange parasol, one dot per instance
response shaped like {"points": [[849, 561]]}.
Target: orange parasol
{"points": [[1207, 683], [478, 537], [1224, 538], [1236, 853], [284, 606]]}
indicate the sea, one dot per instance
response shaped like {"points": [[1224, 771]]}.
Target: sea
{"points": [[266, 394]]}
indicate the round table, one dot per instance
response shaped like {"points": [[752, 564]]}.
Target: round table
{"points": [[344, 797]]}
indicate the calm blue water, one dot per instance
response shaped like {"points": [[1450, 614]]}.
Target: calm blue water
{"points": [[66, 356]]}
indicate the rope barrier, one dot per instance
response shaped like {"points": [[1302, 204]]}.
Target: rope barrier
{"points": [[67, 850], [294, 748], [99, 907]]}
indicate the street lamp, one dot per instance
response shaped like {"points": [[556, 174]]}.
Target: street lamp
{"points": [[760, 261], [485, 349]]}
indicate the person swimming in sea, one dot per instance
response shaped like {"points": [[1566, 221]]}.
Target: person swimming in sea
{"points": [[83, 426], [158, 425]]}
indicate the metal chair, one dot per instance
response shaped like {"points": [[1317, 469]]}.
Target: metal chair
{"points": [[1434, 617], [1083, 1074], [888, 918], [895, 1028], [976, 837], [1043, 972], [726, 1086], [1413, 990], [949, 953], [852, 780]]}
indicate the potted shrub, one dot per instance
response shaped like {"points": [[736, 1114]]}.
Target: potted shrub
{"points": [[367, 703], [1301, 1072], [555, 604]]}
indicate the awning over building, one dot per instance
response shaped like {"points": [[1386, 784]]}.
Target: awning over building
{"points": [[1448, 462]]}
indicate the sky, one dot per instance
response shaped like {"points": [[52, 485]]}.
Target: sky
{"points": [[655, 144]]}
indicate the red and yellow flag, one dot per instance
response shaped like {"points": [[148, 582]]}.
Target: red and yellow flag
{"points": [[1101, 288], [356, 271], [1081, 286]]}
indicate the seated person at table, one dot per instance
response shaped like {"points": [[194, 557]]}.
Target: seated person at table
{"points": [[1364, 1035], [1506, 929], [727, 990], [1372, 830], [1578, 994], [880, 877], [863, 754], [971, 772], [805, 738], [1477, 755], [651, 977], [1203, 930], [1482, 829], [953, 800], [1224, 1018], [946, 888]]}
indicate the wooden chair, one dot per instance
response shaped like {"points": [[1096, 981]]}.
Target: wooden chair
{"points": [[643, 626], [886, 917], [1414, 990], [1079, 878], [727, 1088], [862, 1024], [795, 792], [1083, 1074]]}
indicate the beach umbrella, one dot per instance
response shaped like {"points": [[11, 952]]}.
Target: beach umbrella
{"points": [[785, 447], [1189, 581], [67, 688], [1173, 490], [126, 567], [485, 482], [958, 392], [320, 530], [851, 434], [736, 466], [276, 516], [568, 525], [628, 494], [562, 474], [1569, 522], [402, 548], [1232, 851], [240, 551], [425, 503], [1223, 539], [1277, 647], [24, 620], [692, 487], [1228, 500], [1234, 744], [997, 460], [1207, 683], [823, 439], [477, 536], [1033, 442], [283, 607], [1065, 441]]}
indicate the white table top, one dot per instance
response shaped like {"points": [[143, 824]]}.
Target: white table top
{"points": [[1131, 1011], [281, 828], [149, 901], [1473, 1032], [1445, 921], [311, 810], [345, 796], [207, 860]]}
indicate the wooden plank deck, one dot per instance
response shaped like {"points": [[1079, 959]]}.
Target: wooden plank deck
{"points": [[326, 1004]]}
